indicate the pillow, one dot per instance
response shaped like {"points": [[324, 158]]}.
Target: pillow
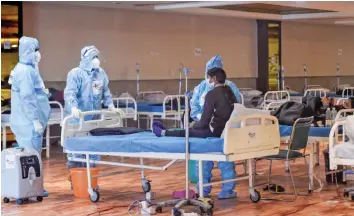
{"points": [[240, 110]]}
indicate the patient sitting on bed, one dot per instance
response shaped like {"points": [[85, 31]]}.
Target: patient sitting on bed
{"points": [[218, 106]]}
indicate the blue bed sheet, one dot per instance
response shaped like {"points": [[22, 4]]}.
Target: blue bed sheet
{"points": [[143, 142], [314, 131], [154, 107]]}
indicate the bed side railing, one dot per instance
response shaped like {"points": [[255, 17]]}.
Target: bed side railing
{"points": [[73, 127], [273, 105], [61, 110], [252, 136], [316, 92], [169, 100], [126, 101], [275, 96], [341, 101], [348, 92]]}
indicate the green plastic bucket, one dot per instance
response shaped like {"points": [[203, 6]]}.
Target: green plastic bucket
{"points": [[193, 178]]}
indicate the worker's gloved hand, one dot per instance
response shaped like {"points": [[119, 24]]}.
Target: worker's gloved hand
{"points": [[76, 112], [37, 126], [117, 110], [199, 116]]}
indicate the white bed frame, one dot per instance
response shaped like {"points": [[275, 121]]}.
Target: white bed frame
{"points": [[316, 92], [348, 92], [53, 120], [244, 143], [273, 105], [275, 96], [129, 112], [166, 114]]}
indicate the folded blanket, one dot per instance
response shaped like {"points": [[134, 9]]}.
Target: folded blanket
{"points": [[115, 131]]}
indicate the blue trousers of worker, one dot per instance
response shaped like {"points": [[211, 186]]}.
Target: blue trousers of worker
{"points": [[227, 172]]}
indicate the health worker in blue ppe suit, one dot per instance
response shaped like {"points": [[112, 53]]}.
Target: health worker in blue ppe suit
{"points": [[30, 109], [86, 88], [197, 102]]}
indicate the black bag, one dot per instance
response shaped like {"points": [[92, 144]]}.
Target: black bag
{"points": [[290, 111]]}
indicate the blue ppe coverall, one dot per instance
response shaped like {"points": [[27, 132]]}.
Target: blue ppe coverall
{"points": [[86, 88], [197, 103], [29, 100]]}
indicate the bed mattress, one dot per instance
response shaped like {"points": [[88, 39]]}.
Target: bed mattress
{"points": [[153, 107], [314, 131], [143, 142]]}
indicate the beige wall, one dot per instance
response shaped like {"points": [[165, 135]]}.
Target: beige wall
{"points": [[317, 46], [125, 37]]}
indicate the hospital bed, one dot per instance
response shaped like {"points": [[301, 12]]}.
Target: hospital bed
{"points": [[340, 153], [244, 142], [318, 135], [56, 117], [162, 108], [319, 92]]}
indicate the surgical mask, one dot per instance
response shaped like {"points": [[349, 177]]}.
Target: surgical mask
{"points": [[325, 105], [209, 85], [37, 57], [95, 63]]}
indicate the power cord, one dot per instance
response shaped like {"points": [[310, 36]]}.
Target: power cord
{"points": [[107, 209]]}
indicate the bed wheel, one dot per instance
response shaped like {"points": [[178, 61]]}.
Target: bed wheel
{"points": [[256, 197], [6, 200], [19, 201], [176, 212], [39, 198], [352, 198], [346, 194], [209, 212], [158, 209], [145, 184], [95, 196]]}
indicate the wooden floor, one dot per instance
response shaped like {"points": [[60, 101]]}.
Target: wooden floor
{"points": [[117, 192]]}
